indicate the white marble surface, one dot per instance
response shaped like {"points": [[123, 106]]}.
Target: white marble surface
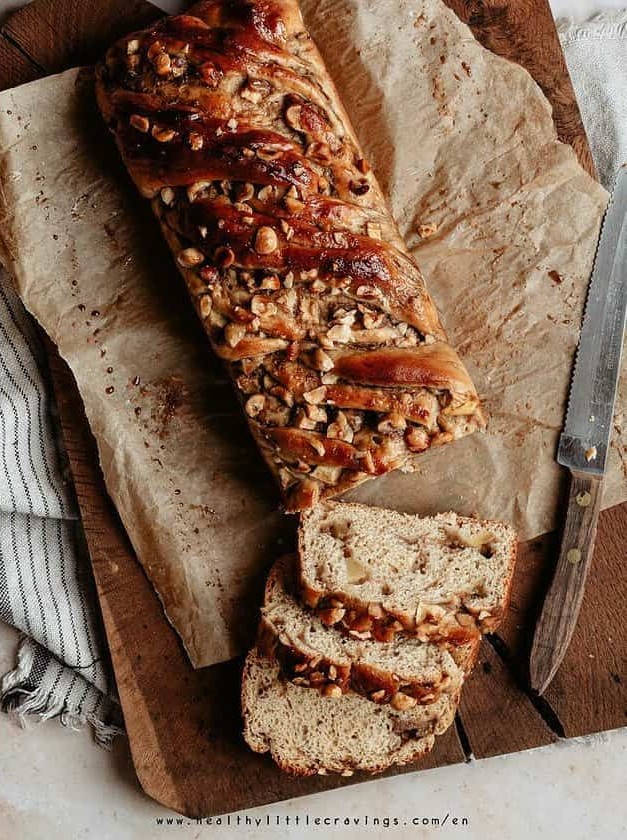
{"points": [[54, 783]]}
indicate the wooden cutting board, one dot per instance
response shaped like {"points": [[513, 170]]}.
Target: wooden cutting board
{"points": [[183, 725]]}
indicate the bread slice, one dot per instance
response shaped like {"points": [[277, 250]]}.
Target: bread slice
{"points": [[379, 572], [307, 733], [404, 672]]}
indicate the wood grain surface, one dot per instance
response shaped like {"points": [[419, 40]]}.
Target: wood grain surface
{"points": [[183, 725]]}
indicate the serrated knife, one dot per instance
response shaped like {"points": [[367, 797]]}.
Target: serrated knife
{"points": [[584, 442]]}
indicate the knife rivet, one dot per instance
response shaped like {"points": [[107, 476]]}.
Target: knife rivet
{"points": [[574, 556], [583, 499]]}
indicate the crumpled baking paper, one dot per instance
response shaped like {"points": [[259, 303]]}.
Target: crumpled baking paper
{"points": [[500, 216]]}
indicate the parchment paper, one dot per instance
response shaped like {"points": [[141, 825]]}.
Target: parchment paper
{"points": [[463, 142]]}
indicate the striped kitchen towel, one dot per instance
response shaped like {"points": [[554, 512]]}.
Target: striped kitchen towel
{"points": [[46, 589]]}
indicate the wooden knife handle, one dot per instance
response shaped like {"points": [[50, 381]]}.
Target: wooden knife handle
{"points": [[563, 601]]}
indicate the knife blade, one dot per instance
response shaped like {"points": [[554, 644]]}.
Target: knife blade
{"points": [[585, 440]]}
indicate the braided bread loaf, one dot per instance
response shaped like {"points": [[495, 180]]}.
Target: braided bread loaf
{"points": [[228, 121]]}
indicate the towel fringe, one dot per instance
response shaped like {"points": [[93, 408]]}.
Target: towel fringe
{"points": [[610, 24], [24, 703]]}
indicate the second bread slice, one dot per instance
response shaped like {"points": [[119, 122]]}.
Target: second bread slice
{"points": [[405, 672]]}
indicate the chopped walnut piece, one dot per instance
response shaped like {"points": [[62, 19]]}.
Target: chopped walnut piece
{"points": [[255, 404], [196, 141], [391, 423], [266, 241], [234, 333], [204, 306], [331, 616], [321, 360], [302, 421], [334, 691], [315, 413], [190, 257], [401, 702], [294, 205], [140, 123], [417, 439], [267, 193], [259, 305], [163, 135], [194, 190], [340, 332], [167, 196], [162, 64], [254, 90], [316, 396], [132, 46]]}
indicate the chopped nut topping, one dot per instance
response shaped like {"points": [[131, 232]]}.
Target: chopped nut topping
{"points": [[259, 305], [153, 50], [378, 696], [132, 46], [417, 439], [255, 404], [162, 64], [369, 292], [163, 135], [167, 196], [394, 422], [245, 192], [234, 333], [194, 190], [321, 360], [232, 124], [254, 90], [319, 152], [315, 413], [209, 274], [294, 205], [332, 672], [204, 306], [376, 610], [316, 396], [465, 619], [266, 240], [401, 702], [196, 141], [140, 123], [331, 616], [340, 333], [271, 283], [302, 421], [267, 193], [292, 117], [190, 257]]}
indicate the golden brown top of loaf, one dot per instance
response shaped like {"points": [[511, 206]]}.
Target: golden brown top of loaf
{"points": [[227, 119]]}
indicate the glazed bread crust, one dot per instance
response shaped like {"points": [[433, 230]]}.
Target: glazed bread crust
{"points": [[228, 121]]}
